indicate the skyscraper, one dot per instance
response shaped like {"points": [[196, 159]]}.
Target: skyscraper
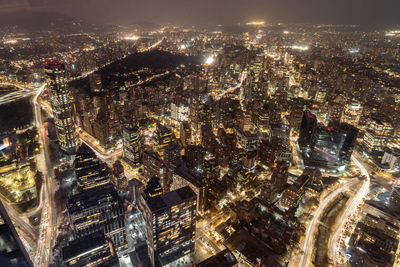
{"points": [[98, 209], [164, 137], [89, 170], [12, 250], [171, 224], [61, 105], [132, 142], [307, 129], [331, 147], [91, 250]]}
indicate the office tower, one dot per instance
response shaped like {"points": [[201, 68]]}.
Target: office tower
{"points": [[171, 225], [12, 250], [307, 129], [98, 209], [61, 105], [331, 147], [377, 135], [185, 134], [352, 113], [95, 83], [376, 240], [91, 250], [183, 176], [90, 171], [164, 137], [132, 143]]}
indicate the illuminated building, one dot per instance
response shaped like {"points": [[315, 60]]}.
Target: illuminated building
{"points": [[171, 224], [331, 147], [391, 158], [335, 109], [377, 135], [320, 95], [247, 140], [98, 209], [376, 240], [326, 147], [180, 111], [91, 250], [185, 177], [185, 134], [132, 143], [153, 166], [292, 196], [90, 171], [61, 105], [263, 121], [352, 113], [164, 137], [12, 250]]}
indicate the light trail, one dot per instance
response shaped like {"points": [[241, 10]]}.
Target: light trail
{"points": [[334, 241], [15, 95], [232, 89], [313, 225]]}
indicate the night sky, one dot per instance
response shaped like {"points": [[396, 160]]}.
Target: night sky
{"points": [[364, 12]]}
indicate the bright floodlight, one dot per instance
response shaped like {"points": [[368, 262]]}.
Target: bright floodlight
{"points": [[210, 60]]}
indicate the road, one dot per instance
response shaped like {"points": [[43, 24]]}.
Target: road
{"points": [[243, 77], [15, 95], [308, 244], [351, 210], [106, 156], [48, 226]]}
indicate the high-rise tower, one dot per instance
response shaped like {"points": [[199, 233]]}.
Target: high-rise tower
{"points": [[132, 141], [61, 104]]}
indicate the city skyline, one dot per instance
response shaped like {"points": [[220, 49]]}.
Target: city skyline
{"points": [[199, 133]]}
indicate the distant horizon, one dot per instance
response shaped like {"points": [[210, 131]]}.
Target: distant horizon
{"points": [[152, 24], [366, 13]]}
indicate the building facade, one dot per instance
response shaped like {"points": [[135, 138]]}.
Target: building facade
{"points": [[60, 99]]}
